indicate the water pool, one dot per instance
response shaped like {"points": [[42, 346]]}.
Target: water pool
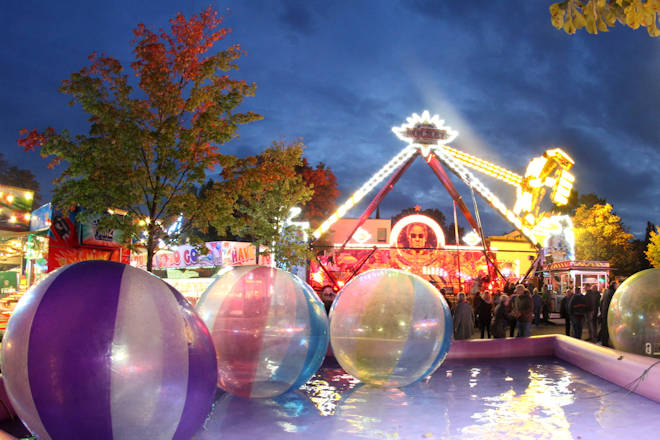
{"points": [[514, 398]]}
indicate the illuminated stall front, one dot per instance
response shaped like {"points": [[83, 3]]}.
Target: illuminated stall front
{"points": [[190, 270], [579, 274]]}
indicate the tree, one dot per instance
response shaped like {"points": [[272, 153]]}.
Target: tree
{"points": [[14, 176], [149, 148], [433, 213], [450, 234], [653, 250], [575, 200], [600, 235], [324, 183], [269, 187], [600, 15]]}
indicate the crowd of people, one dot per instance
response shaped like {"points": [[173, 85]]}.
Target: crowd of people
{"points": [[514, 311], [587, 308]]}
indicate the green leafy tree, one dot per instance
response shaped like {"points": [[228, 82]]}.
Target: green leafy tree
{"points": [[269, 186], [600, 15], [14, 176], [148, 147], [653, 250], [600, 235]]}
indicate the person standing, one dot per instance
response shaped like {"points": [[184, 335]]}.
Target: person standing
{"points": [[327, 296], [524, 311], [500, 317], [577, 309], [593, 302], [546, 297], [604, 307], [485, 314], [538, 305], [564, 311], [463, 319], [513, 321]]}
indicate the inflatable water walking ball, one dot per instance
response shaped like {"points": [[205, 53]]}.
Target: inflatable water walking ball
{"points": [[390, 328], [103, 350], [633, 319], [269, 329]]}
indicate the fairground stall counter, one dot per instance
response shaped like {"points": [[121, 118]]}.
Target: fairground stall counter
{"points": [[191, 270], [578, 274]]}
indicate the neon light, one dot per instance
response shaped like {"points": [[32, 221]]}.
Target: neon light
{"points": [[472, 238], [425, 129], [417, 218], [378, 177], [428, 135]]}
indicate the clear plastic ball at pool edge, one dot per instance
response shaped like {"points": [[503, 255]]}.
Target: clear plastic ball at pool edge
{"points": [[390, 328], [269, 329], [633, 317]]}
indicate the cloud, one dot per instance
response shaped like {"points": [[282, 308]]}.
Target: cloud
{"points": [[297, 17]]}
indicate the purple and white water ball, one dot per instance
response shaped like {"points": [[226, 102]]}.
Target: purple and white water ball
{"points": [[102, 350]]}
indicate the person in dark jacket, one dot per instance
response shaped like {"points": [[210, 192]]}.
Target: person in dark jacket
{"points": [[564, 311], [513, 321], [463, 319], [485, 314], [593, 305], [327, 296], [538, 306], [523, 309], [500, 317], [604, 307], [578, 309]]}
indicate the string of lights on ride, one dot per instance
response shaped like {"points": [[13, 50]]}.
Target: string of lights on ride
{"points": [[428, 134]]}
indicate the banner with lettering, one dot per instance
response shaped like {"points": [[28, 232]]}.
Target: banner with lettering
{"points": [[220, 253]]}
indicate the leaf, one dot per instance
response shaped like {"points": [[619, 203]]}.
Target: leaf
{"points": [[557, 13], [579, 20], [602, 26]]}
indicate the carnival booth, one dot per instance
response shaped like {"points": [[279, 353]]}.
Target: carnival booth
{"points": [[191, 270]]}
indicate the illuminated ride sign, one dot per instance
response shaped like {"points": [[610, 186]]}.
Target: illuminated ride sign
{"points": [[416, 245], [429, 135]]}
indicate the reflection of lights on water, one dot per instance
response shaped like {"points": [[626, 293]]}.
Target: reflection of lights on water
{"points": [[537, 413], [323, 395]]}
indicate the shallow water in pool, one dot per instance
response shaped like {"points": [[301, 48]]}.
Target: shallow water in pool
{"points": [[519, 398]]}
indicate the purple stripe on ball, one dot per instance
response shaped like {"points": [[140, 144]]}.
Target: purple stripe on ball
{"points": [[202, 372], [68, 370]]}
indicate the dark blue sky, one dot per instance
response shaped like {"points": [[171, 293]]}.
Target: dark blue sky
{"points": [[340, 74]]}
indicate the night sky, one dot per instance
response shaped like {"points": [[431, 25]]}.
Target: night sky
{"points": [[340, 74]]}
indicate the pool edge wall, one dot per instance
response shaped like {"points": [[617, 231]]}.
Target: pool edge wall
{"points": [[639, 374], [621, 368]]}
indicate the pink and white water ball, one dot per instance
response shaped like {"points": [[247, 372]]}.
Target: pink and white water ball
{"points": [[390, 328], [269, 329], [102, 350]]}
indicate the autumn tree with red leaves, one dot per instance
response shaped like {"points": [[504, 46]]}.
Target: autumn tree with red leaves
{"points": [[150, 144], [324, 184]]}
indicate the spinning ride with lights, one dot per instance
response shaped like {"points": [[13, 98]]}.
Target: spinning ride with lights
{"points": [[427, 136]]}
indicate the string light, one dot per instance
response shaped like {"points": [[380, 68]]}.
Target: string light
{"points": [[429, 135]]}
